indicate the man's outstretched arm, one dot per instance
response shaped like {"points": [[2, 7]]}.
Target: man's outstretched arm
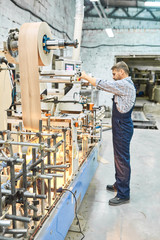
{"points": [[91, 80]]}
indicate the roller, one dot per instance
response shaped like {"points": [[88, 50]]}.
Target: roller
{"points": [[31, 56]]}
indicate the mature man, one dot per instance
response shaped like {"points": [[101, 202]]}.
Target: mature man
{"points": [[122, 127]]}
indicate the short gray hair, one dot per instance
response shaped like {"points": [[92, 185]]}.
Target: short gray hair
{"points": [[121, 65]]}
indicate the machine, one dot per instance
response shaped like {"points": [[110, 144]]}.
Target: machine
{"points": [[44, 174]]}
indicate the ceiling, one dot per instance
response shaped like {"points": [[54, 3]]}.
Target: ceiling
{"points": [[121, 9]]}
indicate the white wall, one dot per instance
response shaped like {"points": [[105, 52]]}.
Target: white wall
{"points": [[98, 59]]}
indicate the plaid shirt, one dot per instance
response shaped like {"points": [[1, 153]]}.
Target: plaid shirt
{"points": [[124, 91]]}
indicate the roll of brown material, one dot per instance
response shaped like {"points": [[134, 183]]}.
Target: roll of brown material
{"points": [[32, 55]]}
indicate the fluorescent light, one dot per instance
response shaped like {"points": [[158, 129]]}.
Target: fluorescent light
{"points": [[152, 4], [109, 32], [94, 0]]}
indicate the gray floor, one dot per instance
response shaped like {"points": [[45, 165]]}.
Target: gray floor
{"points": [[137, 220]]}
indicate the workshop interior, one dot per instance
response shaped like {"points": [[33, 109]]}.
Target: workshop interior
{"points": [[51, 121]]}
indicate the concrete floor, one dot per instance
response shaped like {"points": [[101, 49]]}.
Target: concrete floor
{"points": [[137, 220]]}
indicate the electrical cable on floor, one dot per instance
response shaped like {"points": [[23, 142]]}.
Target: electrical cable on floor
{"points": [[65, 189], [35, 15]]}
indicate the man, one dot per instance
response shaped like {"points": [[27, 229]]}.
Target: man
{"points": [[122, 127]]}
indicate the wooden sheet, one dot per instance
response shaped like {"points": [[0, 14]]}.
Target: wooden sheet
{"points": [[31, 55]]}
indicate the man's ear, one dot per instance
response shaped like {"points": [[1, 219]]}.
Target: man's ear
{"points": [[122, 71]]}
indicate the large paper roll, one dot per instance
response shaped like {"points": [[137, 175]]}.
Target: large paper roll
{"points": [[32, 55]]}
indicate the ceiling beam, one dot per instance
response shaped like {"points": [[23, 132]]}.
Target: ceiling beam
{"points": [[129, 17], [125, 11], [151, 13], [139, 12]]}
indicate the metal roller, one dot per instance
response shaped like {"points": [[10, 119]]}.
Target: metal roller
{"points": [[5, 223], [47, 42], [18, 218]]}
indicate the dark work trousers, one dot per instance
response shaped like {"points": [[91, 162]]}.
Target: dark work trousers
{"points": [[122, 129]]}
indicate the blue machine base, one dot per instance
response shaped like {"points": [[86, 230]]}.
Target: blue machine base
{"points": [[62, 216]]}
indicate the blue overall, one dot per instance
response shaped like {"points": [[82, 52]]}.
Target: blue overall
{"points": [[122, 129]]}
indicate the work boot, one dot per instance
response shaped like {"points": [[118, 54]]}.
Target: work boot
{"points": [[118, 201], [111, 188]]}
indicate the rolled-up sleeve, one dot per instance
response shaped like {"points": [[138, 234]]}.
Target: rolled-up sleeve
{"points": [[115, 87]]}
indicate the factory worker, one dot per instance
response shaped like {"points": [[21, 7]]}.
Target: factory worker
{"points": [[122, 127]]}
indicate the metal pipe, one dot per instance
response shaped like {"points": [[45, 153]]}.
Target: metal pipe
{"points": [[55, 162], [49, 181], [58, 73], [59, 77], [5, 223], [53, 149], [18, 218], [20, 143], [6, 192], [32, 144], [55, 175], [18, 160], [29, 194], [43, 176], [17, 231], [40, 196], [52, 44], [64, 154], [35, 163], [13, 191], [103, 13], [56, 166], [9, 147], [34, 195], [59, 170], [55, 92], [49, 44], [30, 167], [34, 183], [35, 133], [25, 187], [95, 6], [32, 207], [55, 80], [103, 16], [21, 137], [42, 169]]}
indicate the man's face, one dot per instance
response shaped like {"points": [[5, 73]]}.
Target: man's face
{"points": [[117, 74]]}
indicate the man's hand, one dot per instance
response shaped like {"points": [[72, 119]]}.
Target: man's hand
{"points": [[88, 78], [83, 75]]}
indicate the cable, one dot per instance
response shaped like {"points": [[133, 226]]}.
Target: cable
{"points": [[65, 189], [120, 45], [35, 15]]}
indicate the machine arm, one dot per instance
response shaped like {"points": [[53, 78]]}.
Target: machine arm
{"points": [[48, 44]]}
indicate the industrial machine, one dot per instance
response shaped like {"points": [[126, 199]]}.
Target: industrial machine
{"points": [[44, 174]]}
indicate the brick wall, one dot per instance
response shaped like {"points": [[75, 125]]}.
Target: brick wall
{"points": [[59, 13]]}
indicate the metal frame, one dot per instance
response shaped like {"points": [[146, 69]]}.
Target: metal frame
{"points": [[60, 219], [115, 8]]}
